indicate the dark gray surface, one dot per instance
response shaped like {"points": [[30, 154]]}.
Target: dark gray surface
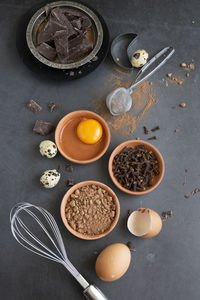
{"points": [[165, 267]]}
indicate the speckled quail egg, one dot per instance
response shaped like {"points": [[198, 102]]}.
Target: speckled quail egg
{"points": [[139, 58], [48, 149], [50, 178]]}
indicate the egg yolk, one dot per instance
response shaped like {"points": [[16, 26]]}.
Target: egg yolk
{"points": [[89, 131]]}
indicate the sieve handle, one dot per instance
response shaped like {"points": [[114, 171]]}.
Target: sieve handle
{"points": [[93, 293], [149, 63]]}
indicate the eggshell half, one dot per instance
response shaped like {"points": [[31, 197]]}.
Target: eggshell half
{"points": [[145, 223], [113, 262]]}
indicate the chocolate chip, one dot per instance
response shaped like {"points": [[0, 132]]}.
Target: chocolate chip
{"points": [[43, 128], [34, 107]]}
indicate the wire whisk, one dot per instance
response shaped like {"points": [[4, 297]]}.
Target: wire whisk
{"points": [[28, 222]]}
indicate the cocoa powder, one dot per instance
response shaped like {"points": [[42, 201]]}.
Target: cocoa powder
{"points": [[90, 210]]}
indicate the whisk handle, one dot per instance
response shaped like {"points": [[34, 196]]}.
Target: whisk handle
{"points": [[93, 293]]}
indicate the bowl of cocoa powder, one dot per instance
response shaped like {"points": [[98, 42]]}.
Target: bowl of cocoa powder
{"points": [[90, 210], [136, 167]]}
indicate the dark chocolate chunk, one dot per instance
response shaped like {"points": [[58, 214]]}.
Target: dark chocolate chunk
{"points": [[47, 32], [43, 128], [34, 107], [47, 51], [78, 48], [146, 131], [52, 106], [62, 19], [77, 23], [130, 246], [153, 138], [155, 128], [70, 182], [62, 44], [86, 23]]}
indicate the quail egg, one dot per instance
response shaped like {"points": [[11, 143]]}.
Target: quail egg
{"points": [[48, 149], [139, 58], [50, 178]]}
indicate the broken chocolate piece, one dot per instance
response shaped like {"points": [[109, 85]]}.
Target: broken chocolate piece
{"points": [[197, 190], [43, 128], [47, 32], [47, 51], [34, 107], [86, 23], [166, 214], [62, 19], [77, 23], [62, 44], [78, 48]]}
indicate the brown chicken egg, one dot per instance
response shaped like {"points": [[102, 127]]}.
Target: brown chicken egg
{"points": [[113, 262], [145, 223]]}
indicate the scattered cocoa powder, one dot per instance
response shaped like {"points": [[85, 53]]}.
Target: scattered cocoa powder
{"points": [[90, 210], [143, 99]]}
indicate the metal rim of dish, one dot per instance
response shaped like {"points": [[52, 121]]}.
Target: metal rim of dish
{"points": [[89, 57]]}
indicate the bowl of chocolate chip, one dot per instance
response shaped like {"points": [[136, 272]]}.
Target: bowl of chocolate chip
{"points": [[90, 210], [136, 167], [64, 35]]}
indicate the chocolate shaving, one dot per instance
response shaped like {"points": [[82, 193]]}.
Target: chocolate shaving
{"points": [[155, 128], [34, 107], [153, 138], [43, 128], [52, 106]]}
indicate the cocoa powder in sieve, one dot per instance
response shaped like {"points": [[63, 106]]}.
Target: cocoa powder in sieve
{"points": [[90, 210]]}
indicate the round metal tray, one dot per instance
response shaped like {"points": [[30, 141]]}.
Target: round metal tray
{"points": [[39, 17]]}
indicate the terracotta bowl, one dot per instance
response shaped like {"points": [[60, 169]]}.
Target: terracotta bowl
{"points": [[71, 191], [156, 179], [69, 144]]}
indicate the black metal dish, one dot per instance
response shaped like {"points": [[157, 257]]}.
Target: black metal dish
{"points": [[119, 50], [57, 74]]}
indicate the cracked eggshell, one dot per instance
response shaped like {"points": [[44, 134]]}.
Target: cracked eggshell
{"points": [[145, 223], [50, 178], [113, 262], [139, 58], [48, 149]]}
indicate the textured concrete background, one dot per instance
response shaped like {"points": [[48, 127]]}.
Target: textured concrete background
{"points": [[165, 267]]}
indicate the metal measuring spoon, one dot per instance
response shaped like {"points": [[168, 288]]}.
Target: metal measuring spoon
{"points": [[120, 100]]}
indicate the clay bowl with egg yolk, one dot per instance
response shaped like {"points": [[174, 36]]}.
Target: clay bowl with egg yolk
{"points": [[66, 198], [156, 179], [71, 147]]}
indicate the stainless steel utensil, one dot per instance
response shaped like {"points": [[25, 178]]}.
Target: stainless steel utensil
{"points": [[123, 95], [29, 223]]}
